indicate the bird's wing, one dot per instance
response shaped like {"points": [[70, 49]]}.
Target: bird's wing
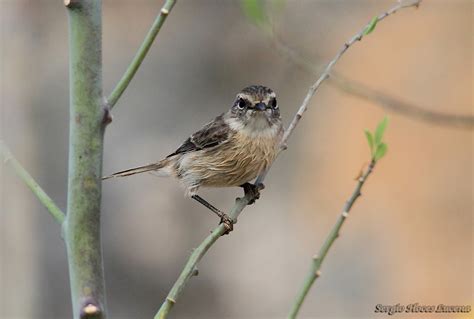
{"points": [[211, 134]]}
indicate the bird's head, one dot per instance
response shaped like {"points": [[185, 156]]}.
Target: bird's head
{"points": [[255, 109]]}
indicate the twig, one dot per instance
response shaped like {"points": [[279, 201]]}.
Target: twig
{"points": [[198, 253], [379, 98], [47, 202], [140, 55], [186, 274], [188, 270], [318, 259], [326, 73]]}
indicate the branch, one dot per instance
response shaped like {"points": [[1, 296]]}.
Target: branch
{"points": [[318, 259], [359, 90], [142, 52], [327, 70], [88, 120], [47, 202], [241, 203], [190, 268]]}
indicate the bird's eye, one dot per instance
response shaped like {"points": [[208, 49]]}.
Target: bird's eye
{"points": [[273, 103], [241, 104]]}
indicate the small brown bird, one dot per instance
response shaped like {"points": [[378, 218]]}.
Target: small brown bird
{"points": [[229, 151]]}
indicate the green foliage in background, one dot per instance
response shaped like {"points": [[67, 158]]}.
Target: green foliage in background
{"points": [[254, 11], [259, 11]]}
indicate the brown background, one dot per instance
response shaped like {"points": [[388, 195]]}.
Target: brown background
{"points": [[408, 239]]}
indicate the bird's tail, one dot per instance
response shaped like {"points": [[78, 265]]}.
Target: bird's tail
{"points": [[142, 169]]}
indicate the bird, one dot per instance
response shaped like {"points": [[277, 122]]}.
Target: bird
{"points": [[231, 150]]}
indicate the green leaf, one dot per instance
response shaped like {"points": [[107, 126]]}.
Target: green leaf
{"points": [[371, 26], [254, 10], [380, 151], [379, 131], [370, 140]]}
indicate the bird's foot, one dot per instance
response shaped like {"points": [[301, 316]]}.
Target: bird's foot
{"points": [[228, 223], [253, 190], [225, 219]]}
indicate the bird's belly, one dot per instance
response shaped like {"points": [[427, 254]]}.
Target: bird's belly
{"points": [[229, 164]]}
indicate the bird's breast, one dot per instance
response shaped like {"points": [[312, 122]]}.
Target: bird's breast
{"points": [[238, 160]]}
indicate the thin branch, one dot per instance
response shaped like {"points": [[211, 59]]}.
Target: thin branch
{"points": [[47, 202], [190, 267], [326, 73], [318, 259], [142, 52], [189, 271], [378, 98], [241, 203]]}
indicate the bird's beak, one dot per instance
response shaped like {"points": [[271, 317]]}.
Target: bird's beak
{"points": [[260, 106]]}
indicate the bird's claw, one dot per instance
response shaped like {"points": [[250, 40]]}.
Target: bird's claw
{"points": [[253, 190]]}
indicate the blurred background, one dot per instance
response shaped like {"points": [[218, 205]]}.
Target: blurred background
{"points": [[408, 238]]}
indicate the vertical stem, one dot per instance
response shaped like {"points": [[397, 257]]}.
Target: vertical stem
{"points": [[87, 125]]}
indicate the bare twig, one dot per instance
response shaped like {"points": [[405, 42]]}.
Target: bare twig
{"points": [[142, 52], [327, 70], [241, 203], [318, 259], [379, 98], [47, 202]]}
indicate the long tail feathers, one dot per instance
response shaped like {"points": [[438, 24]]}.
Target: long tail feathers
{"points": [[138, 170]]}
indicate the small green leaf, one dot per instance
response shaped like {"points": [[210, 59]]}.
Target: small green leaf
{"points": [[371, 26], [370, 140], [380, 151], [379, 131], [254, 10]]}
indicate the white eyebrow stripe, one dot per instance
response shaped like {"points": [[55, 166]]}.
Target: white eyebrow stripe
{"points": [[245, 96]]}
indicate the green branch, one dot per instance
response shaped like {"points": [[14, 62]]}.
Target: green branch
{"points": [[318, 259], [190, 268], [378, 149], [142, 52], [188, 271], [87, 121], [47, 202]]}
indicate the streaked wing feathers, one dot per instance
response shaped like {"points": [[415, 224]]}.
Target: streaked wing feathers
{"points": [[212, 134]]}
